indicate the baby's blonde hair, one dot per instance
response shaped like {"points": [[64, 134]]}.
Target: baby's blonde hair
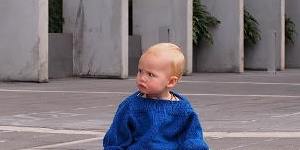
{"points": [[173, 52]]}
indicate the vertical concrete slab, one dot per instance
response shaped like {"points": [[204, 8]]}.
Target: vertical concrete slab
{"points": [[293, 51], [24, 40], [135, 51], [60, 55], [226, 54], [100, 30], [164, 21], [270, 16]]}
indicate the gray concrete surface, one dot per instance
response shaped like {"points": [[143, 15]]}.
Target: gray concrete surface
{"points": [[60, 55], [268, 53], [247, 111], [100, 31], [227, 52], [134, 53], [292, 52], [24, 40], [164, 21]]}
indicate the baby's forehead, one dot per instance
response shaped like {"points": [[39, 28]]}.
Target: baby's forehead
{"points": [[159, 59], [157, 55]]}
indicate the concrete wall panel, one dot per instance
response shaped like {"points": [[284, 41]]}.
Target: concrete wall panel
{"points": [[24, 40], [135, 51], [293, 51], [164, 21], [60, 55], [100, 29], [268, 53], [226, 54]]}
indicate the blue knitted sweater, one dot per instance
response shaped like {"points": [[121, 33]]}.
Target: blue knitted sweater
{"points": [[147, 124]]}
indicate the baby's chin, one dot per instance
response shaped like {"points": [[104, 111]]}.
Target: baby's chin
{"points": [[142, 88], [144, 92]]}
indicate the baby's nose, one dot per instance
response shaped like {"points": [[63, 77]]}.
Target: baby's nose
{"points": [[142, 78]]}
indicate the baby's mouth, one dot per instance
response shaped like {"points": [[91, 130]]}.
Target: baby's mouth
{"points": [[141, 86]]}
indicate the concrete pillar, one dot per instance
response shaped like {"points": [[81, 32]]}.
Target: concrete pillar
{"points": [[227, 52], [60, 55], [135, 51], [24, 40], [100, 30], [293, 51], [164, 21], [270, 16]]}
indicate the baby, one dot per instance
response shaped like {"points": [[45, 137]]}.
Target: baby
{"points": [[155, 117]]}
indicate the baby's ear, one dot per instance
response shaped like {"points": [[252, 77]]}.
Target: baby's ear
{"points": [[172, 81]]}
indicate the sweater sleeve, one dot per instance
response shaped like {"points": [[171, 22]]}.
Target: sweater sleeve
{"points": [[119, 135], [192, 137]]}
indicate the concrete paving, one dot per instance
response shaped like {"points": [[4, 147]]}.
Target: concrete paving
{"points": [[248, 111]]}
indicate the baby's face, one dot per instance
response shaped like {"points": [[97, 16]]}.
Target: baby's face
{"points": [[153, 75]]}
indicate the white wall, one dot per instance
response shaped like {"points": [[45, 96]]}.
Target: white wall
{"points": [[268, 53], [24, 40], [293, 51], [164, 21], [226, 54], [100, 29]]}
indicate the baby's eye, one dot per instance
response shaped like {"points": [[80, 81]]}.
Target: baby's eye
{"points": [[150, 74], [139, 70]]}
